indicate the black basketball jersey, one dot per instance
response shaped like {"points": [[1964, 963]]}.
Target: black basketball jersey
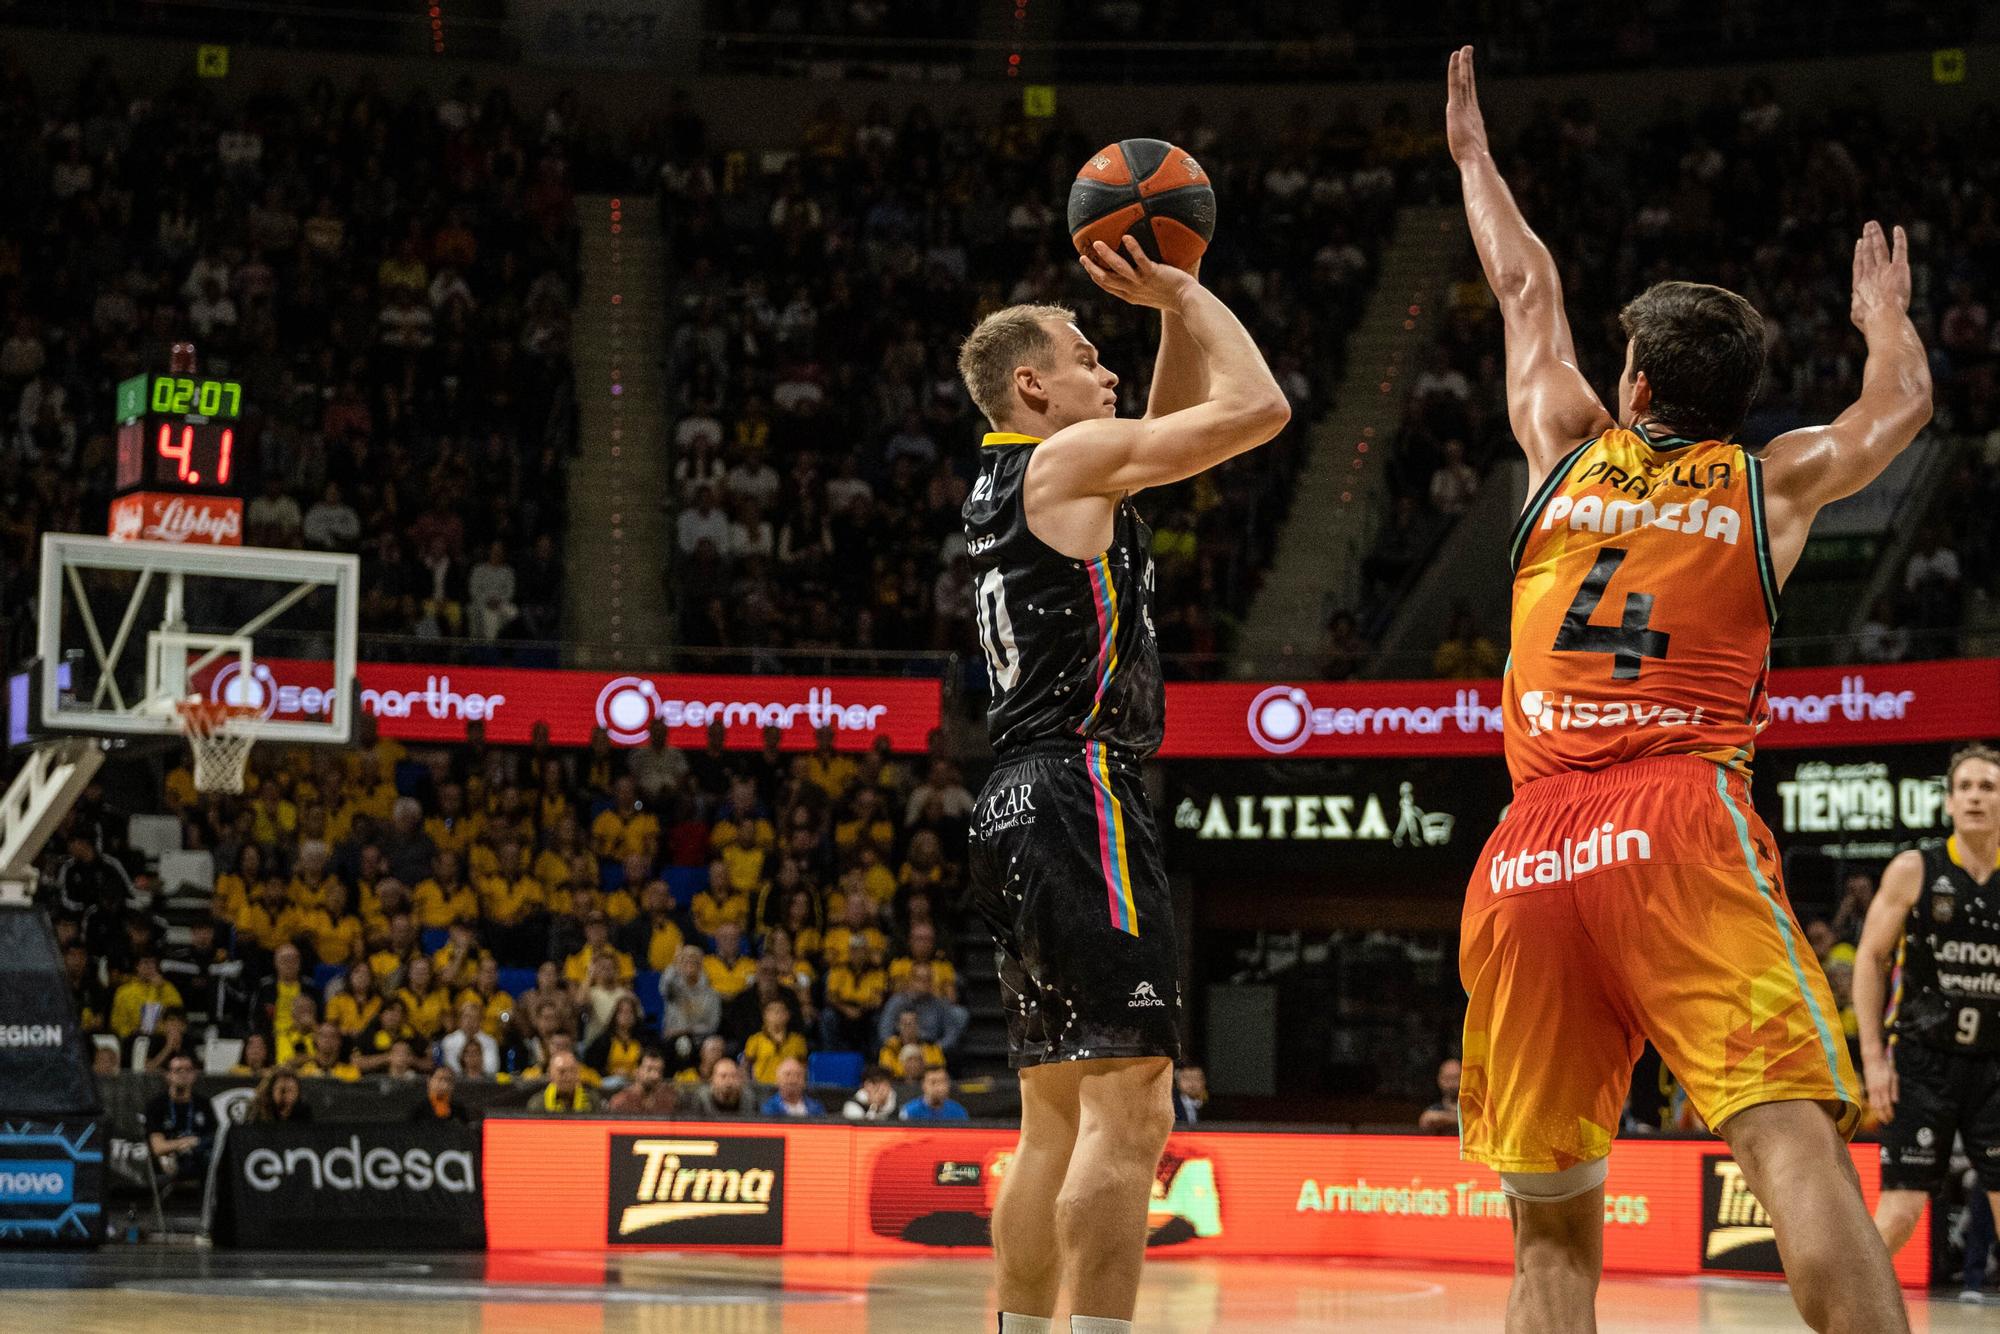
{"points": [[1069, 643], [1947, 991]]}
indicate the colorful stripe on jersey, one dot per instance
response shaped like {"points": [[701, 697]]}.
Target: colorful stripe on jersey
{"points": [[1111, 841], [1104, 596], [1895, 989], [1760, 533]]}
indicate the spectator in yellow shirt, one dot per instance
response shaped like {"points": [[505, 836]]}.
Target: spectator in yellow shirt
{"points": [[923, 951], [327, 1059], [233, 887], [857, 938], [801, 918], [354, 1008], [596, 941], [794, 974], [867, 825], [728, 969], [855, 990], [510, 895], [145, 987], [773, 1044], [327, 927], [444, 897], [293, 1036], [720, 902], [551, 804], [264, 921], [655, 937], [624, 827], [740, 820], [745, 867], [272, 818], [497, 1004], [552, 863], [565, 1092], [453, 827], [924, 865], [826, 768], [621, 901], [456, 962], [909, 1033], [427, 1005]]}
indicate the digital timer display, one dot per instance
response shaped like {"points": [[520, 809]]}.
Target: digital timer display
{"points": [[177, 432]]}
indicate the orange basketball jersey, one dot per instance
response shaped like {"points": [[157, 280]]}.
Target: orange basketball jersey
{"points": [[1643, 603]]}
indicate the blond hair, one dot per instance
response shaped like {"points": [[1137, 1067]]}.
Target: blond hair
{"points": [[997, 345]]}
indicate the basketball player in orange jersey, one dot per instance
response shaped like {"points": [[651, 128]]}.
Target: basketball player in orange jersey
{"points": [[1631, 892]]}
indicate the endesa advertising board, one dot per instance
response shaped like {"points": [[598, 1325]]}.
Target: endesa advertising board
{"points": [[1670, 1206], [429, 702], [1874, 704]]}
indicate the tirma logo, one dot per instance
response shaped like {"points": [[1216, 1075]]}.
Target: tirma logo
{"points": [[1282, 718], [702, 1191]]}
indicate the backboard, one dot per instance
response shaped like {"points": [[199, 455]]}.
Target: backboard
{"points": [[142, 624]]}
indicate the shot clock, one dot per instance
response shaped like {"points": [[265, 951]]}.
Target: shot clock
{"points": [[177, 432], [179, 465]]}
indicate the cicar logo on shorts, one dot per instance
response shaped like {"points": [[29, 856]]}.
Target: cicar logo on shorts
{"points": [[1604, 846]]}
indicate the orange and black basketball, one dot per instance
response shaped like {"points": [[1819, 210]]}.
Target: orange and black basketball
{"points": [[1149, 188]]}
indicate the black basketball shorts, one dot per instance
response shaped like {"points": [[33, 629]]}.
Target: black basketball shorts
{"points": [[1068, 874], [1941, 1094]]}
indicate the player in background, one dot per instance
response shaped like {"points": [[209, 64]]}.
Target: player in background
{"points": [[1065, 859], [1631, 892], [1935, 927]]}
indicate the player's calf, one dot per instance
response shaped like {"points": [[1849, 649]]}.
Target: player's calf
{"points": [[1799, 1169]]}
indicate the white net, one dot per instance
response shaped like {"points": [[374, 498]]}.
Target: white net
{"points": [[220, 737]]}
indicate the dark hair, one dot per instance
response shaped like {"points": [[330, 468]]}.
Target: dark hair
{"points": [[1702, 349], [1975, 751]]}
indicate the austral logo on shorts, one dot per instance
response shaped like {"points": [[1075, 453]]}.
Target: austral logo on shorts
{"points": [[702, 1192], [1145, 998], [1604, 846], [1736, 1233]]}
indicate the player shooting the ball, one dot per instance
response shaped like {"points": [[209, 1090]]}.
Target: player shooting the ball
{"points": [[1065, 858]]}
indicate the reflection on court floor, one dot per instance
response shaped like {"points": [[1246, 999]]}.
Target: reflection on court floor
{"points": [[136, 1290]]}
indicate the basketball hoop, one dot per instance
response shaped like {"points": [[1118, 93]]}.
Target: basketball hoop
{"points": [[220, 736]]}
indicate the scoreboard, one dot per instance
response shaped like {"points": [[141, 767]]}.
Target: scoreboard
{"points": [[179, 463]]}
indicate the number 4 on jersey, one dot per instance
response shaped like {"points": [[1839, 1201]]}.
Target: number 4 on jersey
{"points": [[1629, 642]]}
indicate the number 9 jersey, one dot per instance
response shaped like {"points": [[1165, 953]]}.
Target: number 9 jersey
{"points": [[1069, 643], [1642, 610]]}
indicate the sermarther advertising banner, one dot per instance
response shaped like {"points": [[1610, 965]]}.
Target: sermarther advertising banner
{"points": [[432, 702], [1876, 704], [354, 1186], [1670, 1206]]}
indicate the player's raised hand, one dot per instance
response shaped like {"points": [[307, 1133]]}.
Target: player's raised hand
{"points": [[1881, 278], [1464, 125], [1133, 278]]}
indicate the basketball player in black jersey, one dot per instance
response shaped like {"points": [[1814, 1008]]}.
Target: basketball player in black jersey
{"points": [[1065, 860], [1935, 923]]}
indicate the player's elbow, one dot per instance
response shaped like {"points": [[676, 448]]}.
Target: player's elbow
{"points": [[1266, 414]]}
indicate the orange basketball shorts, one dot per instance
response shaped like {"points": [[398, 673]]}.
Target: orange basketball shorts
{"points": [[1639, 902]]}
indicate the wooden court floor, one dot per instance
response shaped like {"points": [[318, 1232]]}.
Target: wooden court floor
{"points": [[142, 1289]]}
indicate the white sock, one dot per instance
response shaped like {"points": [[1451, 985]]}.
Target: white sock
{"points": [[1098, 1324], [1023, 1324]]}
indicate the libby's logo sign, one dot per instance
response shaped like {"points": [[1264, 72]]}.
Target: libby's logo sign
{"points": [[147, 516], [725, 1192], [1282, 718]]}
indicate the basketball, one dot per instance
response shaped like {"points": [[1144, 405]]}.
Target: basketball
{"points": [[1149, 188]]}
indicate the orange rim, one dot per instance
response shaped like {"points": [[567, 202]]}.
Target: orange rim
{"points": [[202, 717]]}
